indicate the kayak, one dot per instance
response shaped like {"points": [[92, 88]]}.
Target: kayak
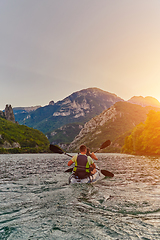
{"points": [[91, 179]]}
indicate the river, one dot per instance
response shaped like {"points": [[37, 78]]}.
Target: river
{"points": [[36, 201]]}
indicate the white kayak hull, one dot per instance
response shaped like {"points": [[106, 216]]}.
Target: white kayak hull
{"points": [[93, 178]]}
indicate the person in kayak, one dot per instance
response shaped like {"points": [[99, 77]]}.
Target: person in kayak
{"points": [[92, 155], [84, 165]]}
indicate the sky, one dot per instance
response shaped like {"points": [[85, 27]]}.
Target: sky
{"points": [[52, 48]]}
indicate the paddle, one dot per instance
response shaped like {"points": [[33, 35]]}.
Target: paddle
{"points": [[57, 149], [104, 145], [107, 173], [104, 172]]}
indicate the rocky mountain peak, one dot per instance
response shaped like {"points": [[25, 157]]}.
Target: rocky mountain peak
{"points": [[51, 102], [80, 103], [9, 115]]}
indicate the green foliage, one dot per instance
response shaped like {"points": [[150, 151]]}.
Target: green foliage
{"points": [[145, 138], [30, 140]]}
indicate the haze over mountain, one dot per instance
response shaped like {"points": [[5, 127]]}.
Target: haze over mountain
{"points": [[25, 109], [145, 101]]}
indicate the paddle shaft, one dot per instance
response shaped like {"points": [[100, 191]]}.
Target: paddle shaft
{"points": [[68, 154], [104, 172], [97, 150], [104, 145], [57, 149]]}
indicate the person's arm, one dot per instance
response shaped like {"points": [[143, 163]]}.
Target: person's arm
{"points": [[70, 162], [94, 168], [93, 156], [92, 165]]}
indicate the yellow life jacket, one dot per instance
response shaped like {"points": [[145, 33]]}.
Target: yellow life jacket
{"points": [[81, 164]]}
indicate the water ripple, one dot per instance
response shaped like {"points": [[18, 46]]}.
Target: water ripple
{"points": [[36, 201]]}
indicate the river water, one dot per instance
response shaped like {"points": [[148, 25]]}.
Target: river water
{"points": [[36, 201]]}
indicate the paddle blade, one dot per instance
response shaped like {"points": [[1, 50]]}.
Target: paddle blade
{"points": [[107, 173], [69, 170], [105, 144], [56, 149]]}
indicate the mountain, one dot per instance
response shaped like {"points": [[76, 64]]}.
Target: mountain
{"points": [[75, 109], [114, 123], [145, 101], [64, 135]]}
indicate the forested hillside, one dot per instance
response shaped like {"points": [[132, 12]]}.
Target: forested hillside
{"points": [[145, 137], [15, 138]]}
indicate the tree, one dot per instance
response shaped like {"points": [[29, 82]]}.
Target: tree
{"points": [[145, 138]]}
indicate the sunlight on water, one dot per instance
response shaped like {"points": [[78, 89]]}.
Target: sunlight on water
{"points": [[36, 201]]}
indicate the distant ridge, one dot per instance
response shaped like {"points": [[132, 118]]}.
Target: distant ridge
{"points": [[25, 109], [145, 101]]}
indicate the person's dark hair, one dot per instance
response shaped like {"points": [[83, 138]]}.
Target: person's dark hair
{"points": [[88, 152], [82, 148]]}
